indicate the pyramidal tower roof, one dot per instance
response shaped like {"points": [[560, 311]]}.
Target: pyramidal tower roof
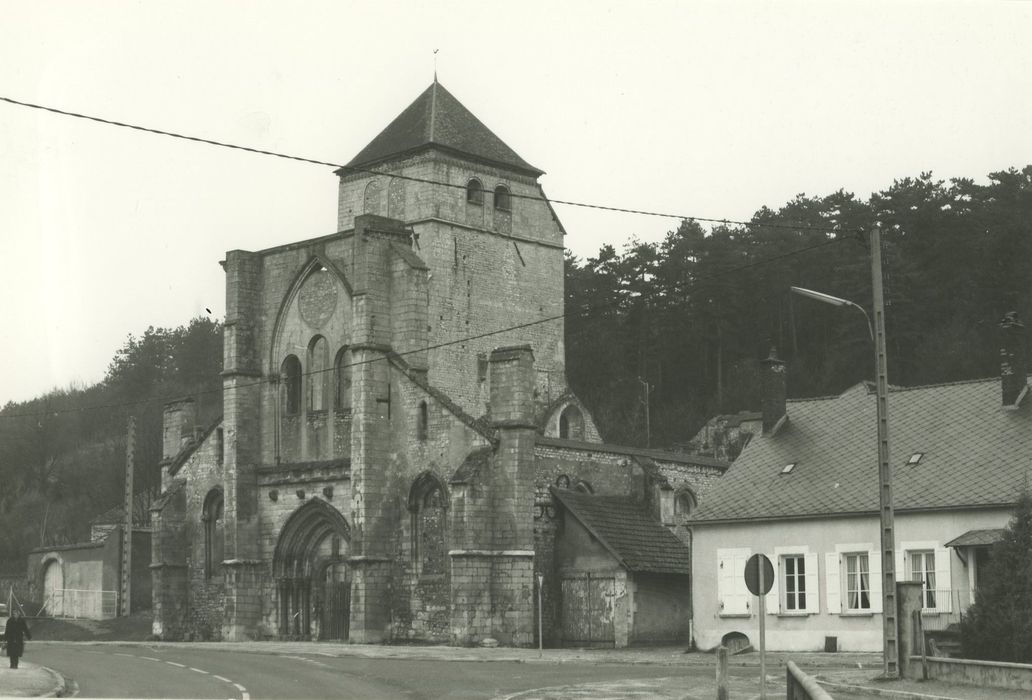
{"points": [[437, 119]]}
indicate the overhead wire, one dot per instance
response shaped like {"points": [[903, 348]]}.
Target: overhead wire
{"points": [[458, 341], [356, 169]]}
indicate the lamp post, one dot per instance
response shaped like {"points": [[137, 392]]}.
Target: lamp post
{"points": [[890, 642]]}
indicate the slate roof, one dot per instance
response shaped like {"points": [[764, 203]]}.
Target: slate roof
{"points": [[437, 119], [977, 538], [637, 541], [976, 454]]}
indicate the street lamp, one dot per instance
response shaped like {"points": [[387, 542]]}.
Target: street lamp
{"points": [[890, 643]]}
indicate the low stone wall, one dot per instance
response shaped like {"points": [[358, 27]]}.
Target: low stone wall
{"points": [[987, 674]]}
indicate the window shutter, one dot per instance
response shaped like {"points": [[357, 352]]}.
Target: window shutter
{"points": [[813, 602], [731, 592], [832, 586], [773, 597], [943, 587], [875, 567]]}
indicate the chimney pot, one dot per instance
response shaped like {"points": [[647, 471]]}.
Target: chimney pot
{"points": [[1013, 365], [772, 391]]}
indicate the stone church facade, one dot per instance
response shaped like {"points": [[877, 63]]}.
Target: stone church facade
{"points": [[383, 466]]}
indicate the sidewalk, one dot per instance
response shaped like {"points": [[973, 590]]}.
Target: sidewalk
{"points": [[849, 674], [29, 680]]}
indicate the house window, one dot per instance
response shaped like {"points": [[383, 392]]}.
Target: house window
{"points": [[429, 505], [858, 581], [502, 198], [474, 192], [424, 419], [922, 568], [212, 517], [318, 364], [794, 568], [342, 381], [290, 371]]}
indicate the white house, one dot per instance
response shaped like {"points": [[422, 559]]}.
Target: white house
{"points": [[805, 493]]}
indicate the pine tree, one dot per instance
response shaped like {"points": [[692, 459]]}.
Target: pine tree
{"points": [[998, 626]]}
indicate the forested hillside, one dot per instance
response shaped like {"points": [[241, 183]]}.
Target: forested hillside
{"points": [[691, 315], [63, 456]]}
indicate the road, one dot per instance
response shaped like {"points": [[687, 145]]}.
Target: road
{"points": [[142, 671]]}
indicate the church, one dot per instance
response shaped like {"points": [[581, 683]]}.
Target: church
{"points": [[399, 456]]}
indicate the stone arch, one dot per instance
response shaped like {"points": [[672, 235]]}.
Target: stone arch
{"points": [[213, 518], [372, 199], [396, 198], [312, 580], [571, 423], [684, 503], [318, 373], [315, 263], [428, 502]]}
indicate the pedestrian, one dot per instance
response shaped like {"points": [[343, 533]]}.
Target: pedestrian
{"points": [[16, 633]]}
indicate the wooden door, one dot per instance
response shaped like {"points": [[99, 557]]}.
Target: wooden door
{"points": [[336, 610], [587, 610]]}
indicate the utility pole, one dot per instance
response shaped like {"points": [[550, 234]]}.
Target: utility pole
{"points": [[127, 524], [645, 400], [890, 648]]}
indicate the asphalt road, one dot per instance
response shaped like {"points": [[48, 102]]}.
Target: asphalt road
{"points": [[141, 671]]}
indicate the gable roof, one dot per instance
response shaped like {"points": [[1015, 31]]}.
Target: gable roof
{"points": [[437, 119], [975, 454], [638, 542]]}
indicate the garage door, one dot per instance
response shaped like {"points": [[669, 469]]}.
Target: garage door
{"points": [[587, 610]]}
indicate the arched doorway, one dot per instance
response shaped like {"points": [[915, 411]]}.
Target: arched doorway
{"points": [[312, 579], [53, 588]]}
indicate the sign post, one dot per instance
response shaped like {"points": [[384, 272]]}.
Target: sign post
{"points": [[759, 579]]}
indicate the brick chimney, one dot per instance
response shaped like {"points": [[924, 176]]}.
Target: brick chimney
{"points": [[772, 391], [1013, 366]]}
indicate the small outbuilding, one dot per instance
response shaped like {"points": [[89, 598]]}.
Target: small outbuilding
{"points": [[624, 577]]}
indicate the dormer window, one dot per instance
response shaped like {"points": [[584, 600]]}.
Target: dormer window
{"points": [[502, 198], [475, 192]]}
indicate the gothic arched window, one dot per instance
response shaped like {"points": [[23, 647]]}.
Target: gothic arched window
{"points": [[428, 502], [212, 518], [290, 373], [571, 423], [318, 375], [372, 199], [342, 381], [423, 421], [474, 191], [502, 198], [684, 504]]}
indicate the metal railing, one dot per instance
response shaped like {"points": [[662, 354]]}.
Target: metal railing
{"points": [[800, 686], [942, 615], [81, 604]]}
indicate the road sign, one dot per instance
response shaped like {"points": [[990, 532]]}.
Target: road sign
{"points": [[755, 584]]}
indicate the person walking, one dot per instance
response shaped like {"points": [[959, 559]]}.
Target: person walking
{"points": [[16, 632]]}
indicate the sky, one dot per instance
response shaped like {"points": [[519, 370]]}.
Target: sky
{"points": [[706, 109]]}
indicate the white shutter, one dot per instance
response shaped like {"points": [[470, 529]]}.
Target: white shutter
{"points": [[833, 589], [875, 567], [943, 588], [773, 596], [813, 602], [731, 592]]}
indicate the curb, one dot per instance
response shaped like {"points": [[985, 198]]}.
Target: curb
{"points": [[882, 692]]}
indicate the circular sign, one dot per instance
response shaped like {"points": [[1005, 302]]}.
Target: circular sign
{"points": [[752, 574]]}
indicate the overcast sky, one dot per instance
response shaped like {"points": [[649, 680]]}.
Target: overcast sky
{"points": [[701, 109]]}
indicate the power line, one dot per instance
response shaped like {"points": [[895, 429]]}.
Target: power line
{"points": [[313, 161], [528, 324]]}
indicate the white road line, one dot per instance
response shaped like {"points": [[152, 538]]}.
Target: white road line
{"points": [[150, 658], [119, 653], [198, 670], [224, 680], [173, 663]]}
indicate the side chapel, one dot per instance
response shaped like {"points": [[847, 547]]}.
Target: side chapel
{"points": [[391, 464]]}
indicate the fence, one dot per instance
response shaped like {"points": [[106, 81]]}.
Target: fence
{"points": [[81, 604], [799, 686]]}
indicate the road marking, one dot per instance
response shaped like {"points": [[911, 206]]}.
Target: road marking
{"points": [[198, 670], [173, 663], [119, 653], [224, 680]]}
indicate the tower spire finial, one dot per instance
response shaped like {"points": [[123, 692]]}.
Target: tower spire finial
{"points": [[435, 64]]}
